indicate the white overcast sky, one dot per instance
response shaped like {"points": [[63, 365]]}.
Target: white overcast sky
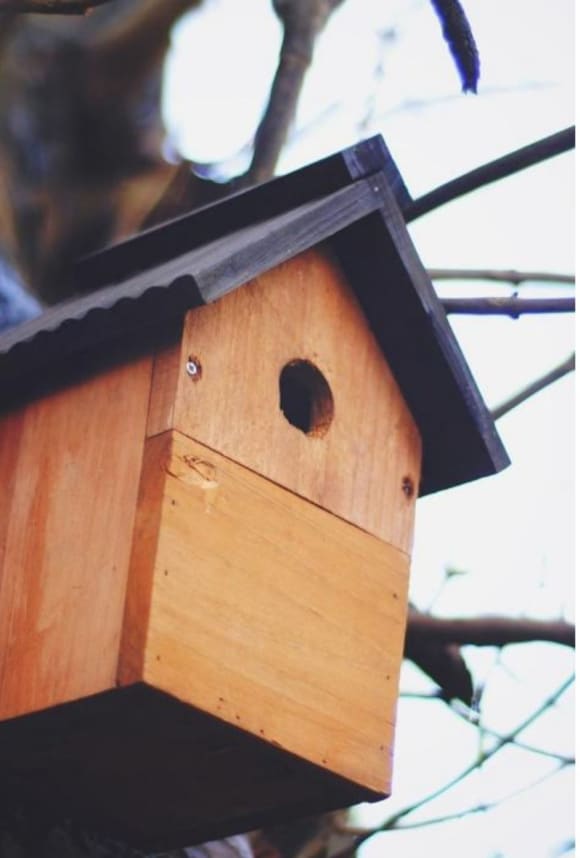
{"points": [[512, 534]]}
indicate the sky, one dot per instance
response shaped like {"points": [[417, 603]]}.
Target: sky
{"points": [[382, 67]]}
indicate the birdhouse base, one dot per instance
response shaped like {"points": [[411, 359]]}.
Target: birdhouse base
{"points": [[141, 766], [257, 675]]}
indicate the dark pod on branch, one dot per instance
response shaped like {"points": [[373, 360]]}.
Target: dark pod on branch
{"points": [[458, 35]]}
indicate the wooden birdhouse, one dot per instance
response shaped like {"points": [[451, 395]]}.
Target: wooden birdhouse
{"points": [[209, 471]]}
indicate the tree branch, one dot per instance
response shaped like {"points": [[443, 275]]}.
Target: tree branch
{"points": [[466, 714], [513, 307], [303, 21], [51, 7], [392, 821], [558, 372], [479, 808], [488, 631], [497, 276], [443, 662], [507, 165]]}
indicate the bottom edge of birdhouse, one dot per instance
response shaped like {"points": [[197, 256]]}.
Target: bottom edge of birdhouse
{"points": [[140, 766]]}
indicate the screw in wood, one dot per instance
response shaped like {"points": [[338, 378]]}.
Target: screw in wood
{"points": [[193, 368]]}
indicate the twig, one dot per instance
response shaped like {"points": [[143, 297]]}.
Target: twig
{"points": [[51, 7], [449, 817], [406, 106], [392, 821], [466, 714], [412, 105], [361, 831], [513, 307], [489, 631], [511, 163], [539, 384], [497, 276], [482, 808], [385, 40], [357, 831]]}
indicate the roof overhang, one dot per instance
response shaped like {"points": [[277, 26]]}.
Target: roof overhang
{"points": [[354, 202]]}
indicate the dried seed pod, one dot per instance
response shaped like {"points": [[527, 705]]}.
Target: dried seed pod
{"points": [[459, 37]]}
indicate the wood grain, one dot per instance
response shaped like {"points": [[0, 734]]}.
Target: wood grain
{"points": [[366, 469], [267, 612], [71, 464], [166, 370]]}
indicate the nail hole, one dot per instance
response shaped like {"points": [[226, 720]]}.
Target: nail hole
{"points": [[408, 487], [305, 398]]}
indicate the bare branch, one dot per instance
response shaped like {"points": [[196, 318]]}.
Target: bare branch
{"points": [[303, 20], [363, 833], [558, 372], [489, 631], [514, 277], [513, 307], [482, 808], [392, 821], [515, 161], [443, 662], [434, 645], [466, 714], [51, 7]]}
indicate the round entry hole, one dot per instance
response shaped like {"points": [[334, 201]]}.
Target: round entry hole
{"points": [[305, 398]]}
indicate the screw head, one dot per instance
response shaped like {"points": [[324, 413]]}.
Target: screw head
{"points": [[193, 368]]}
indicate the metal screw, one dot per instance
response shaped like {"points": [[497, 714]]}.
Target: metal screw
{"points": [[408, 487], [193, 368]]}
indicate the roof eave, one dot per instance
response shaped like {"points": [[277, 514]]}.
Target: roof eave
{"points": [[156, 277]]}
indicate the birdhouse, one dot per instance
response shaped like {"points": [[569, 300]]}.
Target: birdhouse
{"points": [[210, 463]]}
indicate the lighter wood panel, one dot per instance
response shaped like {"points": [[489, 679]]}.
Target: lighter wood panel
{"points": [[71, 462], [303, 309], [268, 612]]}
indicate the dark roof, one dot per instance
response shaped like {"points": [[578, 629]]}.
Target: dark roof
{"points": [[351, 200]]}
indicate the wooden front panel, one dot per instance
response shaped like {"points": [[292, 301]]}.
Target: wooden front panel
{"points": [[70, 466], [366, 467], [266, 611]]}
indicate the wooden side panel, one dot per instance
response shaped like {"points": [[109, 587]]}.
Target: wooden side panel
{"points": [[71, 464], [366, 468], [270, 613], [166, 369], [144, 552]]}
